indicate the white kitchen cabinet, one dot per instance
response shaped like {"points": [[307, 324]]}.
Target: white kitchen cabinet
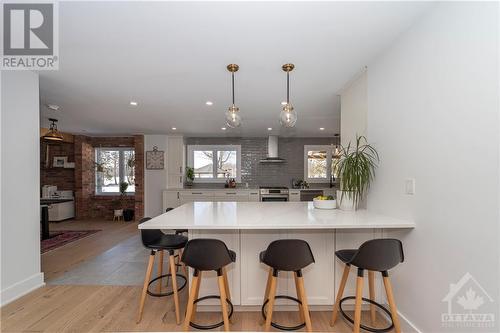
{"points": [[175, 161], [230, 195], [254, 195], [171, 199], [294, 195], [209, 284], [253, 273], [318, 277]]}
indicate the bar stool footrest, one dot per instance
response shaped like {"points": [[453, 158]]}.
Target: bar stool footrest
{"points": [[278, 326], [364, 327], [168, 293], [213, 326]]}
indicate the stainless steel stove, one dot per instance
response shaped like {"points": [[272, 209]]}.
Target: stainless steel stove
{"points": [[273, 193]]}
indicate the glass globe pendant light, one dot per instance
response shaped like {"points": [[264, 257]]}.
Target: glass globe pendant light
{"points": [[288, 117], [233, 118]]}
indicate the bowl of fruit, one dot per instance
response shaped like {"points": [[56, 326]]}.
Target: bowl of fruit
{"points": [[324, 202]]}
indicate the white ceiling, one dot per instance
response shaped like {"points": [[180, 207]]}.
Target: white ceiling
{"points": [[171, 58]]}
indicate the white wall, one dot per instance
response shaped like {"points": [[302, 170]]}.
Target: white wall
{"points": [[20, 185], [353, 106], [433, 115], [155, 180]]}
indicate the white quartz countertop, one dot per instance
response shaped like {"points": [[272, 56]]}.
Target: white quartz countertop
{"points": [[268, 215]]}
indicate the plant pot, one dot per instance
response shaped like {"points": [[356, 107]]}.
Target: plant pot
{"points": [[128, 214], [344, 202], [118, 212]]}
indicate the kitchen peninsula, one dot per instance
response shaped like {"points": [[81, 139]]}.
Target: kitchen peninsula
{"points": [[248, 227]]}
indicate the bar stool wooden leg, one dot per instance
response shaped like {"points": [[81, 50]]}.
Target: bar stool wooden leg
{"points": [[174, 287], [190, 305], [357, 306], [270, 304], [223, 303], [160, 270], [301, 313], [392, 303], [226, 287], [196, 295], [340, 293], [147, 278], [303, 298], [266, 293], [371, 288]]}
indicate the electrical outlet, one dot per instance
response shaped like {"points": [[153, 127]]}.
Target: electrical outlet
{"points": [[410, 186]]}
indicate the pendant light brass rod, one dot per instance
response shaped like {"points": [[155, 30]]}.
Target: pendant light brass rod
{"points": [[287, 87], [232, 75]]}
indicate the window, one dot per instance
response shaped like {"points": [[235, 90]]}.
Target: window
{"points": [[318, 163], [113, 167], [215, 163]]}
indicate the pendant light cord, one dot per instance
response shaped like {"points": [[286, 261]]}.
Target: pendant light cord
{"points": [[232, 77], [287, 87]]}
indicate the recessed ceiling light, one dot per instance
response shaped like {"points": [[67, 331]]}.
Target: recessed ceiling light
{"points": [[209, 103], [269, 129], [53, 107], [174, 128], [133, 103], [321, 128], [223, 128], [283, 103]]}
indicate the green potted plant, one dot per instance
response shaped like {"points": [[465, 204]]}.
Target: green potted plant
{"points": [[356, 170], [189, 176], [128, 214]]}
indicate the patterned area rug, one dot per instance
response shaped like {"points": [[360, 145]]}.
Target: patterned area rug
{"points": [[63, 237]]}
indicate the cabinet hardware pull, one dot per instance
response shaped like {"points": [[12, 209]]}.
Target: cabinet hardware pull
{"points": [[196, 193], [177, 195], [230, 193], [180, 179], [180, 169]]}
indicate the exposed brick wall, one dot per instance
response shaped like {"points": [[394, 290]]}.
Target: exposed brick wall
{"points": [[84, 176], [139, 176], [91, 206], [63, 178]]}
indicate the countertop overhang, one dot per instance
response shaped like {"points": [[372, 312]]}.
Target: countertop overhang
{"points": [[269, 215]]}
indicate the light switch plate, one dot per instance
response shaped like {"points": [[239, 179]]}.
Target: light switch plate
{"points": [[410, 186]]}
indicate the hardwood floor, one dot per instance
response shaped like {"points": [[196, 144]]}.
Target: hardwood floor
{"points": [[82, 308], [60, 260], [114, 309]]}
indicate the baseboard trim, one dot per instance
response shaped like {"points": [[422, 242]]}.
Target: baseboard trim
{"points": [[21, 288], [406, 325]]}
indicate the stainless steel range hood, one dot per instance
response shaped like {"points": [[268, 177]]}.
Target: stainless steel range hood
{"points": [[272, 151]]}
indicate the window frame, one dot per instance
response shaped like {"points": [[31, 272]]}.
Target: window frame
{"points": [[329, 165], [121, 174], [214, 149]]}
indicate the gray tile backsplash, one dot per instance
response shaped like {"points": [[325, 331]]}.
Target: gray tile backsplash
{"points": [[254, 149]]}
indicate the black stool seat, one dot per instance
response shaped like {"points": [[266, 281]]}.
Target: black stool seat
{"points": [[168, 242], [378, 255], [345, 255], [205, 254]]}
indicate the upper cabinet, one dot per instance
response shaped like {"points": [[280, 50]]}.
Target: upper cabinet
{"points": [[175, 162]]}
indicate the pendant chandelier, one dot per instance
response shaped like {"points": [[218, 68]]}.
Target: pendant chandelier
{"points": [[53, 135], [233, 118], [288, 117]]}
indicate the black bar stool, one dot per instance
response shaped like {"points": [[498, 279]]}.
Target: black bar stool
{"points": [[289, 255], [376, 255], [208, 255], [177, 256], [157, 241]]}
